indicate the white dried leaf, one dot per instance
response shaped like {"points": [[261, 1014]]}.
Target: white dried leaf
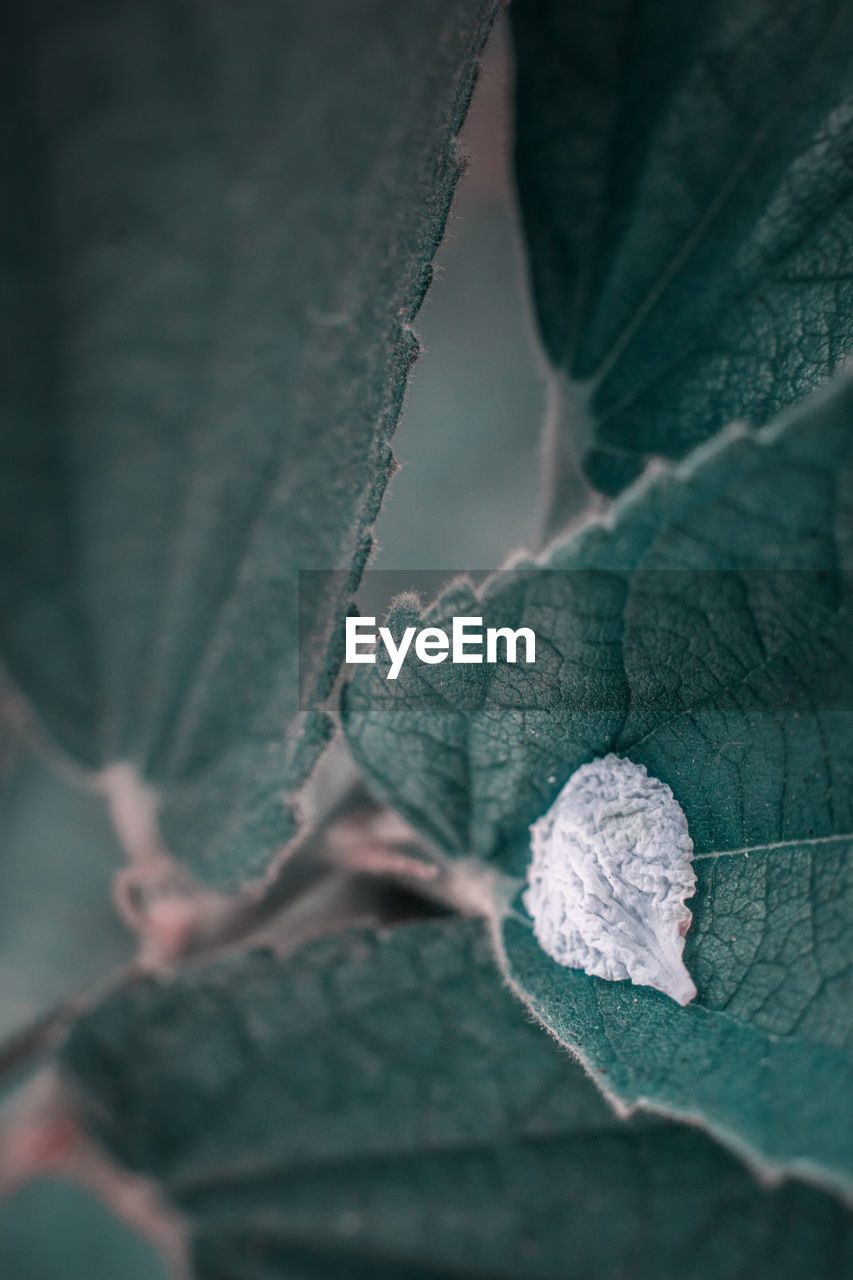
{"points": [[611, 867]]}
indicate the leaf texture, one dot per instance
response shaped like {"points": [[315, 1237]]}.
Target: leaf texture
{"points": [[701, 630], [378, 1107], [217, 230], [685, 182]]}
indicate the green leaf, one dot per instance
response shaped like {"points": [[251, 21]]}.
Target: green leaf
{"points": [[702, 630], [217, 232], [59, 933], [52, 1231], [687, 195], [379, 1106]]}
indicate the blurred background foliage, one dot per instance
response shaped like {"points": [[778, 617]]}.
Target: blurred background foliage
{"points": [[59, 933], [468, 442], [53, 1231]]}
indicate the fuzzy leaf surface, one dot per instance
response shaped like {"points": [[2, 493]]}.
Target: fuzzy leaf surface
{"points": [[702, 630], [687, 194], [218, 227], [380, 1107]]}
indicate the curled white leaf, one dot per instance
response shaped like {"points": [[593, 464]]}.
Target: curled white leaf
{"points": [[611, 868]]}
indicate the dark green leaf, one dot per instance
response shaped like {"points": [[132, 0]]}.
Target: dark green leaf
{"points": [[217, 230], [380, 1107], [701, 630], [686, 186]]}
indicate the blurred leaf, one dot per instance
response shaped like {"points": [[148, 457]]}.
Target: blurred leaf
{"points": [[53, 1231], [217, 231], [59, 933], [379, 1107], [686, 186], [703, 631]]}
